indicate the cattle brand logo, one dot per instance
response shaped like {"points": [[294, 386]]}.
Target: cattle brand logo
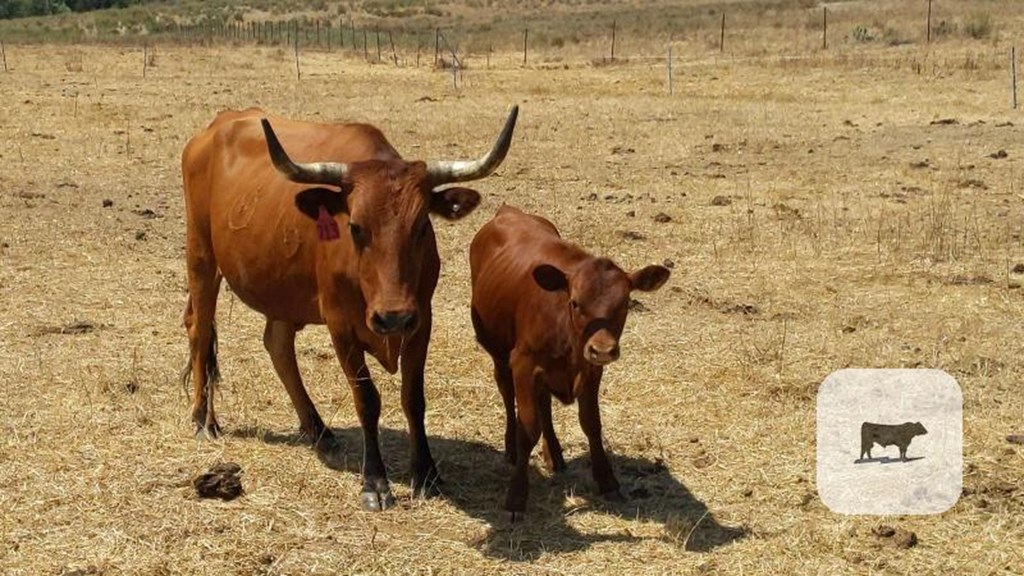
{"points": [[889, 441]]}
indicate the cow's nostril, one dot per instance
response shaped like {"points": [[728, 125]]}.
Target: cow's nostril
{"points": [[392, 322]]}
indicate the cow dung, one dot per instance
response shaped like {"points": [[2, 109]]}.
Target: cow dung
{"points": [[898, 537], [221, 481]]}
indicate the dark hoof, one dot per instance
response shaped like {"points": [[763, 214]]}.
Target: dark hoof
{"points": [[613, 495], [328, 451], [374, 501], [514, 517], [557, 466], [430, 487]]}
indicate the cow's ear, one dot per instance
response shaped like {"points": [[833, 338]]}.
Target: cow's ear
{"points": [[649, 278], [454, 203], [310, 200], [550, 278]]}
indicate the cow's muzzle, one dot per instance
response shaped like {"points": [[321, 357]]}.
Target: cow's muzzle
{"points": [[394, 322], [601, 354]]}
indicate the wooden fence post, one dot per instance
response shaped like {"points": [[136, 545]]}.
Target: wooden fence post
{"points": [[929, 23], [613, 41], [437, 45], [3, 54], [1013, 75], [145, 58], [824, 27], [526, 37], [670, 91], [721, 38], [298, 70], [377, 31], [394, 54]]}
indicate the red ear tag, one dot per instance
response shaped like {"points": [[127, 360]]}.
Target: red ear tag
{"points": [[326, 225]]}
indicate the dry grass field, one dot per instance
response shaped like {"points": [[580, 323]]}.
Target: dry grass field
{"points": [[861, 206]]}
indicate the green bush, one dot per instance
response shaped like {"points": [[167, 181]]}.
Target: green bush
{"points": [[979, 26], [862, 34]]}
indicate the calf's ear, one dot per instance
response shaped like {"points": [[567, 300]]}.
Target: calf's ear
{"points": [[310, 200], [454, 203], [649, 278], [550, 278]]}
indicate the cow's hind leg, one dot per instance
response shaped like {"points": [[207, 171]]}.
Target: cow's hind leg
{"points": [[279, 340], [204, 284], [376, 493], [552, 447], [503, 376]]}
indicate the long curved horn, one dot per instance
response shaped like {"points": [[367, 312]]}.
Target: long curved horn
{"points": [[449, 171], [307, 173]]}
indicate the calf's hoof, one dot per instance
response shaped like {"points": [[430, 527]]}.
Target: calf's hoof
{"points": [[328, 451], [614, 495], [515, 516], [556, 465]]}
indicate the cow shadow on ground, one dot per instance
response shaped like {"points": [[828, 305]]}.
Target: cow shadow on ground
{"points": [[885, 460], [475, 478]]}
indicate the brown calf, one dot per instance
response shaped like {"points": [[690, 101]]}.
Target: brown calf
{"points": [[550, 315]]}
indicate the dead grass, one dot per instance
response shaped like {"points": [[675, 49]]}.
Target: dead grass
{"points": [[838, 248]]}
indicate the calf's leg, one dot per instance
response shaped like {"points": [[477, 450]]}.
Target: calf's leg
{"points": [[590, 421], [528, 433], [552, 448]]}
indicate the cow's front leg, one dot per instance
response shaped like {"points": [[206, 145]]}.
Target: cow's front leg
{"points": [[552, 447], [590, 421], [376, 489], [425, 478], [528, 432]]}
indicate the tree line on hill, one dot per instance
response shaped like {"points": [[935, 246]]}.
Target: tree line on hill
{"points": [[23, 8]]}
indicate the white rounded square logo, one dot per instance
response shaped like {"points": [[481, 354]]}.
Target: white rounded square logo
{"points": [[890, 441]]}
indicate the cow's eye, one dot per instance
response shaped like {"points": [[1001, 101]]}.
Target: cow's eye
{"points": [[357, 233], [574, 304]]}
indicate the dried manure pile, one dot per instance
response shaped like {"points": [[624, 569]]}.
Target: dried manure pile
{"points": [[841, 210]]}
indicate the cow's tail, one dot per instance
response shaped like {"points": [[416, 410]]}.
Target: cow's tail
{"points": [[212, 368]]}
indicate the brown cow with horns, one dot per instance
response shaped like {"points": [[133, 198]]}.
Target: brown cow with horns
{"points": [[345, 242], [550, 315]]}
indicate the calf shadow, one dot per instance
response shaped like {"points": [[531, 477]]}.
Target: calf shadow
{"points": [[885, 460], [476, 476]]}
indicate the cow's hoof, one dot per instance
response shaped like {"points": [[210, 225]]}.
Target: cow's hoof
{"points": [[210, 432], [377, 501], [429, 486], [614, 495], [557, 465], [515, 516], [328, 451]]}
